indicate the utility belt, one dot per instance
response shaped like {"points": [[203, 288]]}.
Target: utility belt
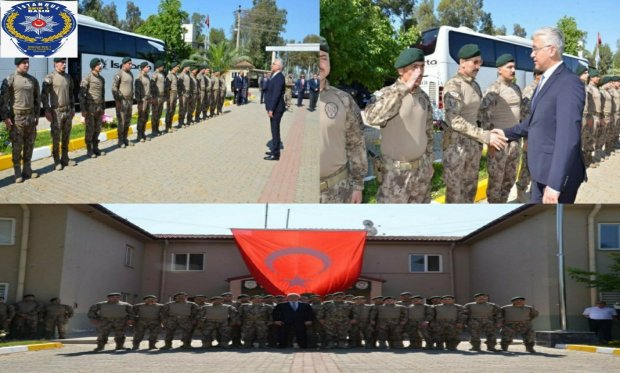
{"points": [[22, 112], [391, 164], [341, 174], [63, 109]]}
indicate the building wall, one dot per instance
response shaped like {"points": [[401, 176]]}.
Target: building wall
{"points": [[94, 264], [9, 254]]}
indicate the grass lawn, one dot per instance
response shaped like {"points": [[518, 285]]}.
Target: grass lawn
{"points": [[22, 343]]}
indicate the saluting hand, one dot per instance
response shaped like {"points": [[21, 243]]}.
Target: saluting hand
{"points": [[412, 82]]}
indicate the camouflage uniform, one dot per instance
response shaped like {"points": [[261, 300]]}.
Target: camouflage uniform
{"points": [[143, 98], [206, 99], [172, 96], [20, 101], [216, 318], [336, 319], [609, 117], [56, 317], [200, 83], [417, 328], [406, 123], [447, 324], [111, 316], [215, 94], [92, 101], [343, 150], [501, 108], [362, 329], [518, 321], [588, 126], [7, 313], [26, 319], [122, 90], [288, 91], [254, 320], [179, 315], [483, 318], [614, 131], [57, 97], [148, 318], [390, 321], [316, 332], [158, 92], [185, 90], [524, 179], [462, 141], [194, 94], [222, 96], [599, 102]]}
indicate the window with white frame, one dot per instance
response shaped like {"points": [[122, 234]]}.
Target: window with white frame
{"points": [[4, 290], [7, 231], [187, 262], [421, 263], [609, 236], [129, 256]]}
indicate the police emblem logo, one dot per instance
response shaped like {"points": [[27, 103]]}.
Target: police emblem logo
{"points": [[331, 109], [39, 28]]}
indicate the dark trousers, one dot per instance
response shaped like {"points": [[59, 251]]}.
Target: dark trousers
{"points": [[239, 97], [602, 328], [567, 196], [262, 96], [313, 99], [300, 97], [275, 133], [287, 331]]}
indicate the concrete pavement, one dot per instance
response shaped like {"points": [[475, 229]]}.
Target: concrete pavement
{"points": [[218, 160]]}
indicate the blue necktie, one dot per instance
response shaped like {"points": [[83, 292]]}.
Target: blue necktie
{"points": [[542, 79], [294, 305]]}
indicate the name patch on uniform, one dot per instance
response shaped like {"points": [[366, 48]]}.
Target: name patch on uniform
{"points": [[39, 29], [331, 110]]}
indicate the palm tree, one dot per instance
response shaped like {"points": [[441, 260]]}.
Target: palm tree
{"points": [[222, 56]]}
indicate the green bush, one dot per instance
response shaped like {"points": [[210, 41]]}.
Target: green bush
{"points": [[5, 140]]}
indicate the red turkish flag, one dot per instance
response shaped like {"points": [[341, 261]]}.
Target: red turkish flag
{"points": [[302, 261]]}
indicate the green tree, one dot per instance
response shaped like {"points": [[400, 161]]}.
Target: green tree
{"points": [[609, 281], [198, 20], [363, 45], [167, 25], [401, 9], [260, 26], [606, 61], [486, 24], [133, 18], [308, 61], [217, 35], [222, 56], [501, 30], [518, 30], [425, 15], [109, 15], [573, 36], [91, 8], [457, 13]]}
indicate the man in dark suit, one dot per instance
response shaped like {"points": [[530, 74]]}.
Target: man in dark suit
{"points": [[314, 91], [274, 103], [553, 127], [238, 86], [263, 87], [301, 85], [293, 317]]}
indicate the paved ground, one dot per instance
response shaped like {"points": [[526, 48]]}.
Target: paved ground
{"points": [[80, 358], [218, 160]]}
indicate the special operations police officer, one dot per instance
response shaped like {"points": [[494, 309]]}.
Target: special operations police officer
{"points": [[111, 315], [464, 138], [159, 85], [404, 113], [122, 90], [343, 151], [172, 95], [142, 91], [92, 104], [59, 106], [20, 101]]}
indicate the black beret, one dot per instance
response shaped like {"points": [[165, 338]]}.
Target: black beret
{"points": [[143, 65], [20, 60], [256, 297], [504, 59], [377, 297], [242, 296], [517, 298], [593, 73], [175, 64], [338, 293], [323, 45], [226, 293], [279, 297], [615, 78], [409, 56], [159, 63], [180, 293], [581, 69], [126, 59], [479, 294], [360, 297], [114, 294], [388, 297], [149, 296], [59, 59], [405, 293], [469, 51], [447, 296], [217, 297], [434, 297], [200, 296], [267, 296], [604, 80], [417, 297], [94, 62]]}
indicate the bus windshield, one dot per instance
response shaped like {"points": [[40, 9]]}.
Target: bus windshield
{"points": [[428, 41]]}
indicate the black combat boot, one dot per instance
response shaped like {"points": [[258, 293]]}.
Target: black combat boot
{"points": [[475, 346], [18, 174], [120, 342], [136, 345], [98, 152], [167, 345], [152, 345], [89, 151], [504, 346], [27, 172], [530, 348], [100, 345], [491, 347]]}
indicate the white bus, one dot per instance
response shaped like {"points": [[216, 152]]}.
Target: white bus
{"points": [[441, 46], [97, 39]]}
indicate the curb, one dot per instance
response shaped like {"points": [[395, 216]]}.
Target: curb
{"points": [[586, 348], [6, 161], [481, 193], [33, 347]]}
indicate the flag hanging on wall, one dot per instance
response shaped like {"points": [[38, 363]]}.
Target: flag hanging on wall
{"points": [[302, 261]]}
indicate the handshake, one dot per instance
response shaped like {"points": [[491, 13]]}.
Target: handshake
{"points": [[497, 139]]}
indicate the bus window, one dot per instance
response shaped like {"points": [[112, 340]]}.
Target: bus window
{"points": [[90, 40], [487, 47], [501, 48], [147, 50], [571, 63], [524, 61], [428, 41], [119, 45]]}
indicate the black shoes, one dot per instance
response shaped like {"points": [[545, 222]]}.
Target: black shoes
{"points": [[272, 157]]}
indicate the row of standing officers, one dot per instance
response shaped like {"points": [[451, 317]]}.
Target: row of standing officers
{"points": [[199, 93]]}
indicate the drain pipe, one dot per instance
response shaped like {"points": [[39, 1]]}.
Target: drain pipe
{"points": [[592, 249], [23, 252], [162, 283], [453, 280], [561, 278]]}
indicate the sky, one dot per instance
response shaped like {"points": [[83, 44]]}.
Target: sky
{"points": [[592, 16], [390, 220], [302, 15]]}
